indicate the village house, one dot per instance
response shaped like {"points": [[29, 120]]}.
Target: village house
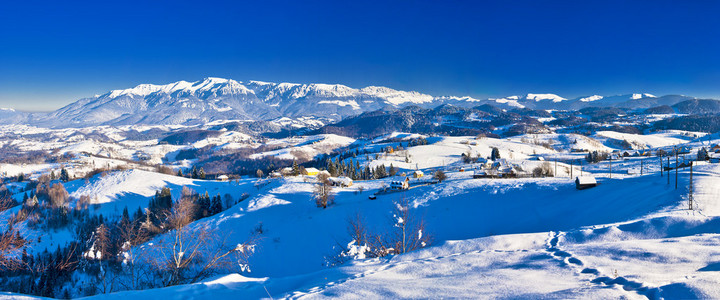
{"points": [[715, 148], [400, 185], [286, 171], [311, 171], [341, 181]]}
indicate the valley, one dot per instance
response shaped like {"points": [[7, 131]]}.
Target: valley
{"points": [[455, 200]]}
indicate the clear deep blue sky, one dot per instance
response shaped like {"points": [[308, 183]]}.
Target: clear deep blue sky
{"points": [[52, 53]]}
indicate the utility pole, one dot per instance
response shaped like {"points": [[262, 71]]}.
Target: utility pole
{"points": [[676, 168], [610, 162], [661, 166], [571, 168], [668, 171], [691, 186], [641, 166], [580, 167]]}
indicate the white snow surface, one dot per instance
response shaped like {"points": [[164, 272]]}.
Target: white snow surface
{"points": [[631, 237]]}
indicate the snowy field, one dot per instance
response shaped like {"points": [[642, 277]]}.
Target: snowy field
{"points": [[627, 238], [630, 237]]}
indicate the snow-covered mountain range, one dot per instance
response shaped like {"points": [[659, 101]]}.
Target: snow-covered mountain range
{"points": [[215, 99]]}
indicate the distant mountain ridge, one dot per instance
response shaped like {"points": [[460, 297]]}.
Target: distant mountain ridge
{"points": [[217, 99]]}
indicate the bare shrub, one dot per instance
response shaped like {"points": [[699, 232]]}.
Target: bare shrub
{"points": [[406, 232], [83, 202], [323, 191], [165, 170], [544, 170]]}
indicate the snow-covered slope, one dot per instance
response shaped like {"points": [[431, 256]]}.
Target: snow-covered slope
{"points": [[628, 238]]}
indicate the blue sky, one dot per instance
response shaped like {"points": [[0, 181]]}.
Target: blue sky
{"points": [[52, 53]]}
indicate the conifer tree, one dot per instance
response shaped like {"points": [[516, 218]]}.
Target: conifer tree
{"points": [[295, 168], [64, 176], [216, 205]]}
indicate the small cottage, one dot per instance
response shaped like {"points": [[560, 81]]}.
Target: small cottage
{"points": [[341, 181], [585, 182], [684, 150], [223, 178]]}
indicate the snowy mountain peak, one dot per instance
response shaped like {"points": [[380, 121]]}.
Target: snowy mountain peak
{"points": [[643, 95], [591, 98], [510, 101], [212, 99], [215, 99], [397, 97], [140, 90], [540, 97]]}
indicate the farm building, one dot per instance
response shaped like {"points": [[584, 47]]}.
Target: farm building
{"points": [[311, 171], [400, 185], [644, 152], [418, 174], [286, 171], [341, 181], [585, 182], [714, 159], [484, 173], [504, 168], [223, 178], [684, 150], [498, 169]]}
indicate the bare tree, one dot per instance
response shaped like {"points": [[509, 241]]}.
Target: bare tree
{"points": [[6, 203], [323, 191], [9, 245], [58, 195], [409, 231], [439, 175], [101, 242], [192, 253], [133, 234]]}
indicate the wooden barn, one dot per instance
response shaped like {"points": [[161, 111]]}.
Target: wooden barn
{"points": [[585, 182]]}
